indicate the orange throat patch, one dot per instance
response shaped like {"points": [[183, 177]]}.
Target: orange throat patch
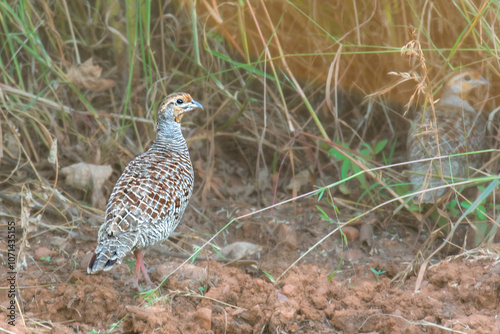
{"points": [[178, 117]]}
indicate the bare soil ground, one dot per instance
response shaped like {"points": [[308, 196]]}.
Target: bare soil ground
{"points": [[246, 157], [459, 294]]}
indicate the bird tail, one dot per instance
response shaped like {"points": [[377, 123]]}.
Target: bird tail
{"points": [[421, 182]]}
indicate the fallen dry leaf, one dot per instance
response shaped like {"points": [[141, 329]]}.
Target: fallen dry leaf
{"points": [[288, 237], [301, 179], [82, 176], [88, 76], [366, 237]]}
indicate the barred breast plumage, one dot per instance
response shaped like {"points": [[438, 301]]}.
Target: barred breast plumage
{"points": [[149, 198], [456, 128]]}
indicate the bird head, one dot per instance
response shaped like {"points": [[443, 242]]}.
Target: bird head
{"points": [[461, 84], [176, 105]]}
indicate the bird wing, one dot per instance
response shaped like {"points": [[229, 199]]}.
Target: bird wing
{"points": [[456, 132], [149, 193]]}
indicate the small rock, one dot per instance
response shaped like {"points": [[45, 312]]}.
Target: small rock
{"points": [[57, 242], [60, 261], [351, 233], [240, 250], [282, 297], [288, 289], [203, 317], [43, 252]]}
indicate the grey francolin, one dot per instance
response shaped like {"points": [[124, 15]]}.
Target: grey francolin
{"points": [[453, 127], [149, 198]]}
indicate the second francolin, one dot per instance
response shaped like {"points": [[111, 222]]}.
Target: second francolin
{"points": [[452, 127]]}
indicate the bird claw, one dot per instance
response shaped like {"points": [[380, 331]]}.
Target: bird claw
{"points": [[135, 283]]}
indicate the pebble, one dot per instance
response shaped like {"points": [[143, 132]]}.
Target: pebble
{"points": [[287, 289], [43, 252], [60, 261], [351, 233], [282, 298]]}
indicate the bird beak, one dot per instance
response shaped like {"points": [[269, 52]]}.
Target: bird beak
{"points": [[483, 81], [197, 104]]}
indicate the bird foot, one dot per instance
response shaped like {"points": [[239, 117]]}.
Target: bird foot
{"points": [[140, 267], [141, 288]]}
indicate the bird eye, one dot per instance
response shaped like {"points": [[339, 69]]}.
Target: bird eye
{"points": [[180, 101], [467, 78]]}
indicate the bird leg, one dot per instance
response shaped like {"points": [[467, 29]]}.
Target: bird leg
{"points": [[139, 266]]}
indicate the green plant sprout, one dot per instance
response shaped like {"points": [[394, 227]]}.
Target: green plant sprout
{"points": [[336, 271], [197, 251], [377, 273], [271, 278], [348, 167]]}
